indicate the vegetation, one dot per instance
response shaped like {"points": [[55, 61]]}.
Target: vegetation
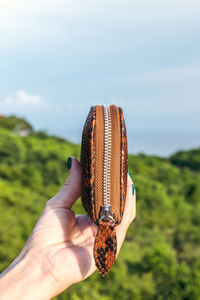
{"points": [[15, 124], [160, 258]]}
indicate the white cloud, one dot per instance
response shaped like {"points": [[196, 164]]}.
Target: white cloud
{"points": [[22, 98], [23, 102]]}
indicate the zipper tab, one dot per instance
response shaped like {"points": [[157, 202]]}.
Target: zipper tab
{"points": [[106, 214]]}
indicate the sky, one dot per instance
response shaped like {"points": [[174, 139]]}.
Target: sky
{"points": [[57, 58]]}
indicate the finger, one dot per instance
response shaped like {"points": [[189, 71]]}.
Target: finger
{"points": [[71, 190], [128, 215], [129, 210]]}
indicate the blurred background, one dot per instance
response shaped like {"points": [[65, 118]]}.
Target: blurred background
{"points": [[57, 58]]}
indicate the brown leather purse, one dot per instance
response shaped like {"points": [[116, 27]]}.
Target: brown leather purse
{"points": [[104, 164]]}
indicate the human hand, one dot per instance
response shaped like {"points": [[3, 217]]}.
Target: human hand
{"points": [[60, 248]]}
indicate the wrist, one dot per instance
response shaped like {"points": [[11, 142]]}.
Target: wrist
{"points": [[27, 279]]}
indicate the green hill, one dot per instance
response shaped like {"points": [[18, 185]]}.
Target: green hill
{"points": [[188, 159], [15, 124], [160, 258]]}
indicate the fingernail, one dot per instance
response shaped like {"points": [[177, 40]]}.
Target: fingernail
{"points": [[133, 189], [130, 174], [133, 186], [69, 163]]}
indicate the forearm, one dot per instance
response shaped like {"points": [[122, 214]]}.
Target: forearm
{"points": [[26, 280]]}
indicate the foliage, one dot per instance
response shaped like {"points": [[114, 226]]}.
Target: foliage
{"points": [[189, 159], [15, 124], [160, 256]]}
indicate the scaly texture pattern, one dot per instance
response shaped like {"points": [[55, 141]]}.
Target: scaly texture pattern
{"points": [[87, 161], [105, 247], [124, 163]]}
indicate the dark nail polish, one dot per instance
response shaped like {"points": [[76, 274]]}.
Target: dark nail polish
{"points": [[133, 189], [69, 163], [133, 186], [130, 174]]}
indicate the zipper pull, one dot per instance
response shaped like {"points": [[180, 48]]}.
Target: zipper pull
{"points": [[106, 214]]}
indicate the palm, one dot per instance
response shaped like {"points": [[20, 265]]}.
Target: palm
{"points": [[67, 241]]}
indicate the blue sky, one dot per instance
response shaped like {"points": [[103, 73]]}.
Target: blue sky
{"points": [[57, 58]]}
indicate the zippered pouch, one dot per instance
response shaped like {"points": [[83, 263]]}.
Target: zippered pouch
{"points": [[104, 164]]}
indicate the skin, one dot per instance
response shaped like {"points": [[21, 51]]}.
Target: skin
{"points": [[59, 251]]}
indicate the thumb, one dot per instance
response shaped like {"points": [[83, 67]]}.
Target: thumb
{"points": [[71, 189]]}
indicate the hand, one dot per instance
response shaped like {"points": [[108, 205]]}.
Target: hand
{"points": [[61, 244]]}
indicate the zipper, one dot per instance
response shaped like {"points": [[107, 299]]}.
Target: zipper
{"points": [[106, 213]]}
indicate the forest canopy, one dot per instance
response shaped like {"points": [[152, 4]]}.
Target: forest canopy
{"points": [[160, 258]]}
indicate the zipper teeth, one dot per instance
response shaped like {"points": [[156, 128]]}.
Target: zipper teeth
{"points": [[107, 155]]}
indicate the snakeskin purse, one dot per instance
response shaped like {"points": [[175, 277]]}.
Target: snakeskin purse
{"points": [[104, 164]]}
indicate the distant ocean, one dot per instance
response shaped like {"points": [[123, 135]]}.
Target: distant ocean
{"points": [[153, 143]]}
